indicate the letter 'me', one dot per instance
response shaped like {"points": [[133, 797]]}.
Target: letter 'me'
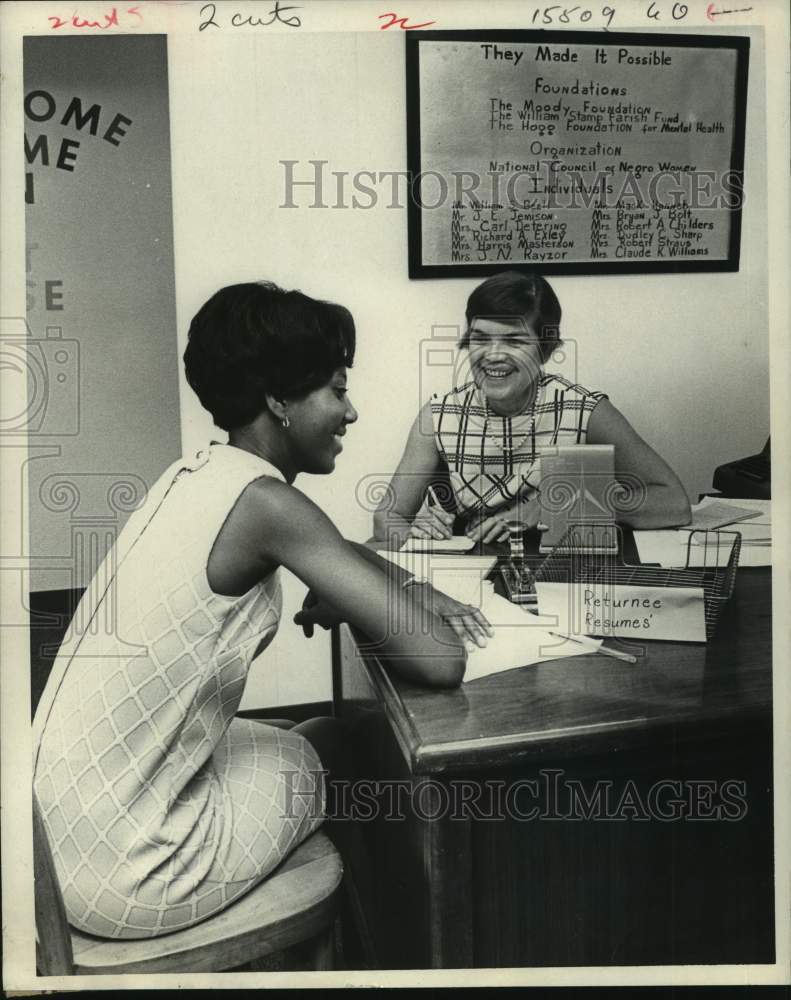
{"points": [[91, 116]]}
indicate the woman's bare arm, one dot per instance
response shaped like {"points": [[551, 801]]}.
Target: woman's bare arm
{"points": [[665, 503], [405, 496], [289, 529]]}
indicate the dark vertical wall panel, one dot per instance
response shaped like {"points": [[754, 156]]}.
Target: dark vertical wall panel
{"points": [[100, 280]]}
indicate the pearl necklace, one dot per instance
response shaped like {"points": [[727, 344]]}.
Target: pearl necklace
{"points": [[503, 441]]}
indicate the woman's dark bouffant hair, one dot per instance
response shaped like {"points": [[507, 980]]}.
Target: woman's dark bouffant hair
{"points": [[255, 338], [511, 297]]}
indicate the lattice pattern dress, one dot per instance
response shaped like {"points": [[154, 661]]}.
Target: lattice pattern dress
{"points": [[493, 460], [160, 806]]}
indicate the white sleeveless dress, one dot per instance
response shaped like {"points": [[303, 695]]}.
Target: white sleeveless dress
{"points": [[160, 806]]}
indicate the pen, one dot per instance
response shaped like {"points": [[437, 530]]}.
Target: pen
{"points": [[596, 648], [432, 497]]}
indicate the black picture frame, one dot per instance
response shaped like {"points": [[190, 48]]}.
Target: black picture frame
{"points": [[418, 269]]}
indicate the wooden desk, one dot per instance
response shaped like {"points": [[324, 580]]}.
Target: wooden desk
{"points": [[440, 891]]}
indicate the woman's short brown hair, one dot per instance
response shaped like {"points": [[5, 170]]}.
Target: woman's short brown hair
{"points": [[512, 297]]}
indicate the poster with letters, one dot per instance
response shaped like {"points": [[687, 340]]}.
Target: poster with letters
{"points": [[574, 153]]}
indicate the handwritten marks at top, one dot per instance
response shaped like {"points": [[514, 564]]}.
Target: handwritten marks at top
{"points": [[239, 19], [712, 12], [591, 16], [653, 12], [604, 16], [547, 15], [401, 22], [128, 18]]}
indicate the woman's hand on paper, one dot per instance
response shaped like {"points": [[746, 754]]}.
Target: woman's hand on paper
{"points": [[468, 622], [431, 522], [489, 529]]}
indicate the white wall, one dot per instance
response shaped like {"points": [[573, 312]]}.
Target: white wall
{"points": [[685, 357]]}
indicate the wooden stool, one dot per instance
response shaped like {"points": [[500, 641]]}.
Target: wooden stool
{"points": [[295, 905]]}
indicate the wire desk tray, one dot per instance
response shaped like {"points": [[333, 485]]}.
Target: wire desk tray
{"points": [[712, 558]]}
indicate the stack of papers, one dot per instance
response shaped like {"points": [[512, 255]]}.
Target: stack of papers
{"points": [[669, 548], [752, 519], [711, 513]]}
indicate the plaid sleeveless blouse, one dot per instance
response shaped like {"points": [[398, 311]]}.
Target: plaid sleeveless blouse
{"points": [[493, 460]]}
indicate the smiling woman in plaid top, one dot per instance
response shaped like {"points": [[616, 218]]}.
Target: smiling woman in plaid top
{"points": [[487, 435]]}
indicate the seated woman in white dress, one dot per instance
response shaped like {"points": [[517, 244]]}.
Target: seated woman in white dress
{"points": [[160, 806], [486, 435]]}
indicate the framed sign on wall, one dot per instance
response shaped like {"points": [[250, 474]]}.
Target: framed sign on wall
{"points": [[574, 152]]}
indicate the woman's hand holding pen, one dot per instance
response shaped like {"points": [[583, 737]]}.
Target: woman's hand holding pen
{"points": [[432, 520]]}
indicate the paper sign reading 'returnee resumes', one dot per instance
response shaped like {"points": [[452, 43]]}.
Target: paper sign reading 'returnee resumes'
{"points": [[672, 613]]}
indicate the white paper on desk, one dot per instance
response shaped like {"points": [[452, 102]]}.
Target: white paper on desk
{"points": [[756, 531], [457, 543], [520, 639], [755, 555], [712, 513], [426, 564], [763, 506], [752, 533], [468, 585], [668, 548]]}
